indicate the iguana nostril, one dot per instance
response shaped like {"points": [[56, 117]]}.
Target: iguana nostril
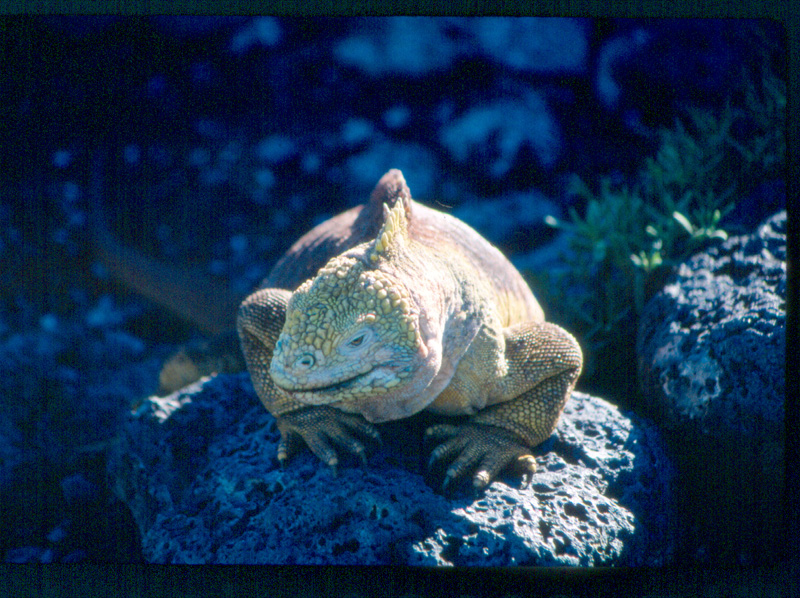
{"points": [[305, 361]]}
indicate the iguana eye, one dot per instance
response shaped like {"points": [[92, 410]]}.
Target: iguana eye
{"points": [[305, 361], [360, 339]]}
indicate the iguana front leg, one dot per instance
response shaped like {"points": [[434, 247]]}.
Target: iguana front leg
{"points": [[259, 324], [544, 362]]}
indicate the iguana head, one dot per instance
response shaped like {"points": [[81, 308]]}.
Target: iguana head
{"points": [[352, 333]]}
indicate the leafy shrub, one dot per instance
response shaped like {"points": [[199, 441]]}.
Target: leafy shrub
{"points": [[633, 234]]}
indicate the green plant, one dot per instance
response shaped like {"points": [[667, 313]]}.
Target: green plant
{"points": [[632, 234]]}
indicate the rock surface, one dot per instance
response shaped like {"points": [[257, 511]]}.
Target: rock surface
{"points": [[711, 343], [197, 469], [711, 362]]}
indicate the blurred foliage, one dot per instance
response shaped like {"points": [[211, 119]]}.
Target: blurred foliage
{"points": [[633, 234]]}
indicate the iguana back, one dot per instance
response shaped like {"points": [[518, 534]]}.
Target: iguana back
{"points": [[438, 231]]}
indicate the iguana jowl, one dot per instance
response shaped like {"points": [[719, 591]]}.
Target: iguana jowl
{"points": [[406, 309]]}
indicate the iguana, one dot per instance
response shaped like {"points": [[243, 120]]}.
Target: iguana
{"points": [[396, 308], [392, 308]]}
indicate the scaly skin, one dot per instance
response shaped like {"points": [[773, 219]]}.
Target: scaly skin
{"points": [[413, 310]]}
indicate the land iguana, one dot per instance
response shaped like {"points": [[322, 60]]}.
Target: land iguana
{"points": [[397, 308], [392, 308]]}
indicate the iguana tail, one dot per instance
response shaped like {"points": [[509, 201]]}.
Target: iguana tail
{"points": [[191, 295]]}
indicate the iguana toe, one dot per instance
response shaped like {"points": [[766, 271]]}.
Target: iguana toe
{"points": [[286, 448], [515, 455], [453, 444]]}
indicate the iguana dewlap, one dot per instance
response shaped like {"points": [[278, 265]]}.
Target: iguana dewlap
{"points": [[406, 309]]}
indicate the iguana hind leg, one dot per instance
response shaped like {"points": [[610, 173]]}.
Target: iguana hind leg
{"points": [[220, 355], [544, 362], [260, 321]]}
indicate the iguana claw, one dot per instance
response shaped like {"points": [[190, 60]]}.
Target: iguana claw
{"points": [[320, 428], [487, 448]]}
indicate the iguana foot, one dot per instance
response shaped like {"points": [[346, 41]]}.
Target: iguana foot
{"points": [[490, 448], [319, 427]]}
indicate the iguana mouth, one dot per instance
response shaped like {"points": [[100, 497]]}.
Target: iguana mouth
{"points": [[381, 373], [336, 386], [343, 385]]}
